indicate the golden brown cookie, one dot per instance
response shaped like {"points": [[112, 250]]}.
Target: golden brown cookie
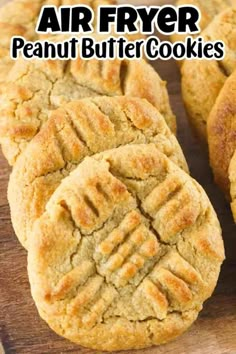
{"points": [[126, 253], [221, 128], [202, 80], [232, 178], [35, 88], [19, 18], [78, 129], [208, 8]]}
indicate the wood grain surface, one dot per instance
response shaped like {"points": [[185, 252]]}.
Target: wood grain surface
{"points": [[23, 332]]}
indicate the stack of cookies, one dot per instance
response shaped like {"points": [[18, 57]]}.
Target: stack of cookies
{"points": [[123, 245], [209, 93]]}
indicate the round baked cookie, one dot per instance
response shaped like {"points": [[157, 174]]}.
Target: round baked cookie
{"points": [[232, 178], [126, 252], [19, 18], [221, 127], [35, 88], [78, 129], [202, 80], [209, 9]]}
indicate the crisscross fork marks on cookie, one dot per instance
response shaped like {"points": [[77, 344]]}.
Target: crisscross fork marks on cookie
{"points": [[175, 201], [138, 283], [126, 249], [93, 201], [82, 128], [72, 280], [171, 283], [90, 125], [46, 87], [84, 287]]}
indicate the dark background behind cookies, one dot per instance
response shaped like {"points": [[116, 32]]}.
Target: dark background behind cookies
{"points": [[21, 329]]}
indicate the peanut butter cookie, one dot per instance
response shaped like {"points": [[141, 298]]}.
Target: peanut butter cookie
{"points": [[221, 127], [202, 80], [78, 129], [127, 251], [35, 88], [232, 178]]}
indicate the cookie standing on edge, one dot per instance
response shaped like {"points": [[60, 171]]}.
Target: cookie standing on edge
{"points": [[202, 80], [127, 251], [35, 88], [75, 130], [232, 178], [221, 129]]}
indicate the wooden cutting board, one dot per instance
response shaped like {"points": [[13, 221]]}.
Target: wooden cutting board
{"points": [[23, 332]]}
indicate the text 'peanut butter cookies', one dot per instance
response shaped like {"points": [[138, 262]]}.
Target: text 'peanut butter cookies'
{"points": [[35, 88], [208, 9], [78, 129], [19, 18], [221, 127], [127, 251], [202, 80]]}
